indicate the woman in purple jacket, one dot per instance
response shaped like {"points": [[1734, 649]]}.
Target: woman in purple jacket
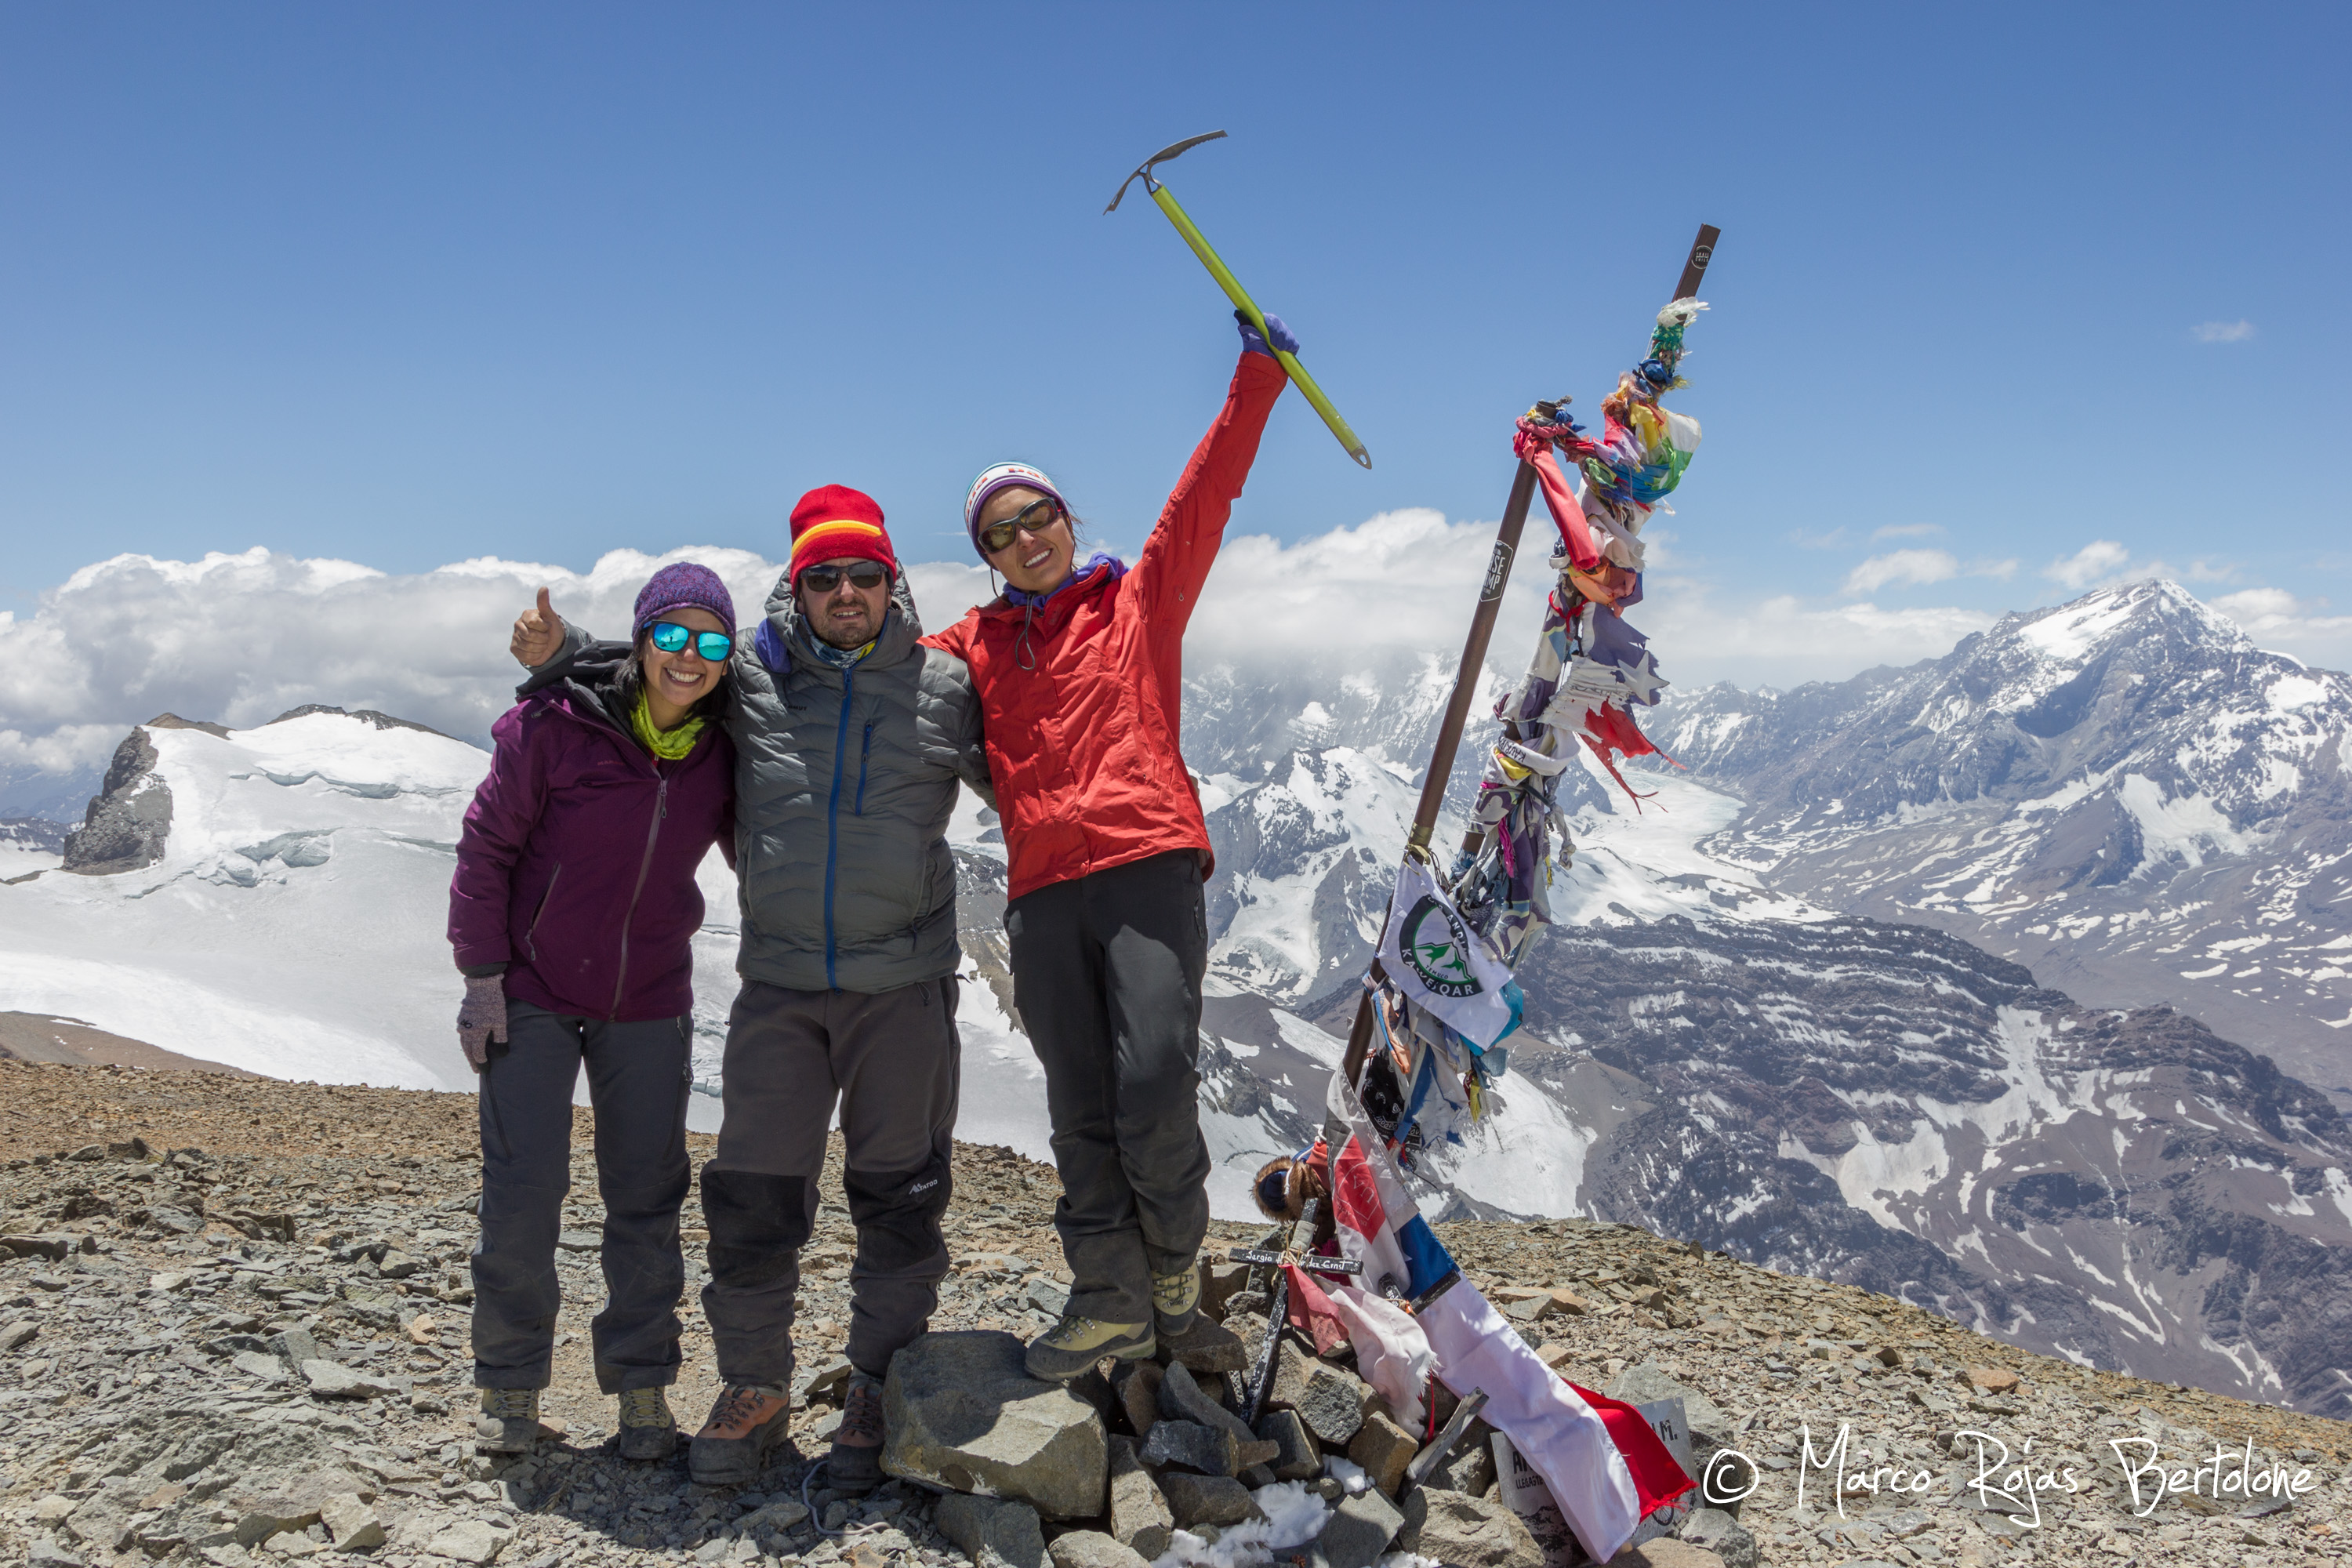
{"points": [[571, 914]]}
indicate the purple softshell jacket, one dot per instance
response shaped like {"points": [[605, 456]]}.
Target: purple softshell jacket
{"points": [[576, 866]]}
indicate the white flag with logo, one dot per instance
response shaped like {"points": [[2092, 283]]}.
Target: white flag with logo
{"points": [[1439, 963]]}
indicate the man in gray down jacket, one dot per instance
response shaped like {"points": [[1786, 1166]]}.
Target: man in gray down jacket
{"points": [[850, 739]]}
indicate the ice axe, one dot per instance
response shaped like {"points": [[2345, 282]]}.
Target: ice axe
{"points": [[1233, 290]]}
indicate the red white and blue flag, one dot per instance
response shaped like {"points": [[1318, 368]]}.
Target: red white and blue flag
{"points": [[1606, 1469]]}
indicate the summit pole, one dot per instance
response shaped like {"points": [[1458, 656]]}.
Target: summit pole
{"points": [[1474, 660]]}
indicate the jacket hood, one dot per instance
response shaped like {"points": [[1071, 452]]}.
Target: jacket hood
{"points": [[586, 687], [785, 635]]}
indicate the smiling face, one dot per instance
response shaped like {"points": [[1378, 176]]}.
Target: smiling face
{"points": [[1035, 562], [677, 681], [845, 615]]}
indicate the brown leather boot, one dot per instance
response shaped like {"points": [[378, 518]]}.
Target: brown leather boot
{"points": [[855, 1464], [745, 1422]]}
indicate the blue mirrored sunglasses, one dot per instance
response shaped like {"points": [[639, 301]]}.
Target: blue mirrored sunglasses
{"points": [[670, 637]]}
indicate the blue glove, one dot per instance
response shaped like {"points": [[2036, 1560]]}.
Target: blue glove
{"points": [[1254, 344]]}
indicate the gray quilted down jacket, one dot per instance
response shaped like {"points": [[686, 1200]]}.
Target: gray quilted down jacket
{"points": [[844, 783]]}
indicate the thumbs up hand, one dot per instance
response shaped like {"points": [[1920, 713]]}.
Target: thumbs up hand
{"points": [[538, 634]]}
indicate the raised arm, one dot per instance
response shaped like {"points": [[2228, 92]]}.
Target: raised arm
{"points": [[1176, 558]]}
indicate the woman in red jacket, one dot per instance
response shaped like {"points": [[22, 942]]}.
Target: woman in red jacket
{"points": [[1080, 674]]}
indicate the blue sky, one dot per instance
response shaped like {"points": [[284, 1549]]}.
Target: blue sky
{"points": [[411, 284]]}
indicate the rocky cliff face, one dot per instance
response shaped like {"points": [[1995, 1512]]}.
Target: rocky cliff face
{"points": [[2122, 792], [129, 819], [1896, 1108]]}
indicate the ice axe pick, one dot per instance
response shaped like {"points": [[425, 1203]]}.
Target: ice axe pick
{"points": [[1233, 290]]}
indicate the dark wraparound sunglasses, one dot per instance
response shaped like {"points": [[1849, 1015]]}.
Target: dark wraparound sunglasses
{"points": [[865, 575], [1036, 517], [671, 638]]}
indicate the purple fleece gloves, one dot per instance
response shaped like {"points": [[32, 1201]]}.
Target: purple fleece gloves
{"points": [[1253, 344]]}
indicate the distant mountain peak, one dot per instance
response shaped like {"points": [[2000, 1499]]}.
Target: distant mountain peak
{"points": [[2105, 619]]}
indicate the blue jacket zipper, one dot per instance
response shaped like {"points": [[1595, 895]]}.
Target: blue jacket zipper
{"points": [[864, 750], [832, 819]]}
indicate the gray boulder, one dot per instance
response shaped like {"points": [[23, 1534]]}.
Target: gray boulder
{"points": [[1467, 1532], [1181, 1395], [1329, 1401], [1092, 1549], [993, 1534], [1207, 1449], [1358, 1532], [1196, 1500], [961, 1411], [1139, 1518], [1717, 1532], [1296, 1456]]}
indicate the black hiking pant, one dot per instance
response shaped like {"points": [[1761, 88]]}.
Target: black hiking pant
{"points": [[1107, 973], [639, 1075], [893, 1063]]}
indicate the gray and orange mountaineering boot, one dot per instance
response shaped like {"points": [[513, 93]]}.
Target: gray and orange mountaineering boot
{"points": [[855, 1464], [732, 1450]]}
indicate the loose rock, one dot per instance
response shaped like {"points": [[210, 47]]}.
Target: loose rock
{"points": [[962, 1412], [993, 1534], [1467, 1532], [1196, 1500], [1092, 1549]]}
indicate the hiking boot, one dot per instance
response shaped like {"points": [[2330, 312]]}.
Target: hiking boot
{"points": [[648, 1431], [508, 1422], [855, 1464], [747, 1421], [1072, 1347], [1176, 1301]]}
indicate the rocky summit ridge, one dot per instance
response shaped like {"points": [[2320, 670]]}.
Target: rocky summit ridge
{"points": [[233, 1332]]}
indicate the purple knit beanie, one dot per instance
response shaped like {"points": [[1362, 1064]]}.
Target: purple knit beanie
{"points": [[679, 585]]}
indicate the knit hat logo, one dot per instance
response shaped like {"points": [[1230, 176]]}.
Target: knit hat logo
{"points": [[1435, 943]]}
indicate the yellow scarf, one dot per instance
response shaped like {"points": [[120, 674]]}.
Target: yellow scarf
{"points": [[670, 745]]}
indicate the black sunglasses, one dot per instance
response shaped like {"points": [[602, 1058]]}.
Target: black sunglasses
{"points": [[865, 574], [1036, 517]]}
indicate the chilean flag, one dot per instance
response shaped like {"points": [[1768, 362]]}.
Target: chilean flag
{"points": [[1606, 1469]]}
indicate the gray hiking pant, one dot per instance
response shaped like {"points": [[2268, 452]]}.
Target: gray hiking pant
{"points": [[1107, 974], [638, 1078], [894, 1062]]}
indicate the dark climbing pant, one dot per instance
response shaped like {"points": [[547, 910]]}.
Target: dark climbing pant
{"points": [[1107, 974], [893, 1062], [638, 1078]]}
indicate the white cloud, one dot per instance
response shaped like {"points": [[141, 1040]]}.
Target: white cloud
{"points": [[1906, 530], [2102, 558], [2277, 619], [2236, 332], [1804, 540], [1902, 566], [242, 639]]}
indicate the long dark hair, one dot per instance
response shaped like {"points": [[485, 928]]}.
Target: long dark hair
{"points": [[629, 683]]}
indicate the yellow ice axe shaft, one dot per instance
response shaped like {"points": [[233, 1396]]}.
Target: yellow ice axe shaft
{"points": [[1238, 294]]}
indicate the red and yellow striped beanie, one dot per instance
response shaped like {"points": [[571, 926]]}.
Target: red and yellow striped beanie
{"points": [[833, 521]]}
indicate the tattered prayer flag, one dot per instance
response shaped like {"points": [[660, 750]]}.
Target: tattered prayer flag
{"points": [[1432, 955]]}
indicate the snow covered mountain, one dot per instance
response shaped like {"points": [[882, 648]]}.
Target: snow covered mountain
{"points": [[2122, 793], [1714, 1049], [1897, 1109]]}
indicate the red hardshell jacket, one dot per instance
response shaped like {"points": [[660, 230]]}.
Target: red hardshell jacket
{"points": [[1084, 745]]}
